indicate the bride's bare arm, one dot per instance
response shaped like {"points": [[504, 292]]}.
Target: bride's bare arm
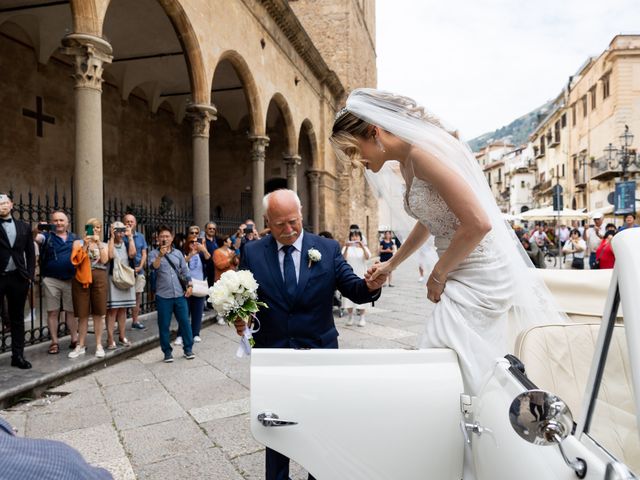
{"points": [[418, 235], [474, 222]]}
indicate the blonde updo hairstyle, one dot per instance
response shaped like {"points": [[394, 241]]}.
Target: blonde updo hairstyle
{"points": [[348, 128]]}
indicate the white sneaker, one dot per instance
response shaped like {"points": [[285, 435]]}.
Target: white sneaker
{"points": [[221, 321], [99, 351], [76, 352], [350, 321], [197, 339], [178, 341], [362, 323], [421, 279]]}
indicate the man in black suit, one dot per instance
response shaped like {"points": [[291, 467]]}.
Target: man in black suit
{"points": [[17, 267]]}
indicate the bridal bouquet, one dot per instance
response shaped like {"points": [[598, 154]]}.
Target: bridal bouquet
{"points": [[235, 296]]}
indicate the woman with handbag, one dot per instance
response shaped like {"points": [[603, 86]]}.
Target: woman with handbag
{"points": [[605, 258], [575, 246], [122, 293], [194, 253]]}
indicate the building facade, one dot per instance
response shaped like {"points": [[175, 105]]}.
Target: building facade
{"points": [[206, 104]]}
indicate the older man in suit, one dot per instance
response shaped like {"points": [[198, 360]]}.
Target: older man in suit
{"points": [[17, 266], [298, 273]]}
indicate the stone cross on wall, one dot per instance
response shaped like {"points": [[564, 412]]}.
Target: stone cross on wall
{"points": [[39, 116]]}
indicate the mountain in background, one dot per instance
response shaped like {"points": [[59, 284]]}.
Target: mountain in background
{"points": [[516, 133]]}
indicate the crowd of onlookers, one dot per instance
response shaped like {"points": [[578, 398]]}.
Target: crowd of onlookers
{"points": [[577, 246], [101, 275]]}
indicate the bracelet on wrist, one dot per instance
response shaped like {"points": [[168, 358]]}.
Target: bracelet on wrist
{"points": [[436, 280]]}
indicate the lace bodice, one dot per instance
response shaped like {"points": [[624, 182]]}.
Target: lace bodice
{"points": [[424, 204]]}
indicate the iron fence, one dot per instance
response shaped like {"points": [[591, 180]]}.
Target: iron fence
{"points": [[34, 208]]}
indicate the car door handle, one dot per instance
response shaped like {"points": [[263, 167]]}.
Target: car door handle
{"points": [[269, 419]]}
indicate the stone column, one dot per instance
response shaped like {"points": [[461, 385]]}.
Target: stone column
{"points": [[90, 54], [258, 149], [291, 162], [201, 116], [314, 196]]}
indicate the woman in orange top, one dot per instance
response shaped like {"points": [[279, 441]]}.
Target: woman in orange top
{"points": [[224, 258]]}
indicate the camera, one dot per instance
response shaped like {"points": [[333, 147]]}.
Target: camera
{"points": [[89, 229], [46, 227], [248, 230], [120, 230]]}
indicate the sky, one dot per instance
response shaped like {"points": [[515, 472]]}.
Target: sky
{"points": [[480, 64]]}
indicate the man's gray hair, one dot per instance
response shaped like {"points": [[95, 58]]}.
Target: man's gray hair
{"points": [[267, 198]]}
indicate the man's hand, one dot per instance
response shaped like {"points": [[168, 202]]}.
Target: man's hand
{"points": [[189, 291], [240, 326], [377, 275]]}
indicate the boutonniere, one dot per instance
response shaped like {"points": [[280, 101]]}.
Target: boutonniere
{"points": [[314, 256]]}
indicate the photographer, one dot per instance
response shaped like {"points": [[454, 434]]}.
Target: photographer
{"points": [[356, 254], [90, 285], [211, 242], [119, 299], [173, 289], [575, 246], [137, 263], [56, 244]]}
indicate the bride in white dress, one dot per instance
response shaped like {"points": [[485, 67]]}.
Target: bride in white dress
{"points": [[482, 291]]}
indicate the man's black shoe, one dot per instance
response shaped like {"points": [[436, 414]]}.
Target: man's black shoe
{"points": [[20, 362]]}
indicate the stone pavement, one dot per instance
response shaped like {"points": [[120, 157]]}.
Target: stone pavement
{"points": [[145, 419]]}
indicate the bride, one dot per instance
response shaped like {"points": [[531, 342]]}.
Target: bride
{"points": [[483, 290]]}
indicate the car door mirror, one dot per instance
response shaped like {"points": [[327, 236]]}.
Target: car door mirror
{"points": [[542, 418]]}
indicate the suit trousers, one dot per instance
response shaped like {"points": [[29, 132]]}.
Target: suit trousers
{"points": [[15, 287], [277, 466]]}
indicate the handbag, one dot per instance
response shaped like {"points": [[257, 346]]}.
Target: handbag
{"points": [[124, 276], [577, 263], [200, 288], [184, 283]]}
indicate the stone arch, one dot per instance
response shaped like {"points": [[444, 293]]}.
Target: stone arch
{"points": [[307, 129], [291, 139], [87, 17], [254, 105]]}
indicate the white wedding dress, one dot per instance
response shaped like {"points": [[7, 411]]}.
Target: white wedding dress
{"points": [[472, 315]]}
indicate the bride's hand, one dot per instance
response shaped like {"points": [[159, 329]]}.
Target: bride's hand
{"points": [[377, 274], [434, 289]]}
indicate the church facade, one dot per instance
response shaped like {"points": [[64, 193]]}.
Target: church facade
{"points": [[202, 104]]}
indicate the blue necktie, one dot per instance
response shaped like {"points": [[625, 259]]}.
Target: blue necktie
{"points": [[290, 280]]}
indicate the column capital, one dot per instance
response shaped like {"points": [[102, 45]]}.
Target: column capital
{"points": [[90, 54], [314, 175], [201, 115], [260, 143], [292, 159]]}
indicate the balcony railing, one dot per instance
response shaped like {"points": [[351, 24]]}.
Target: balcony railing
{"points": [[542, 187], [580, 179]]}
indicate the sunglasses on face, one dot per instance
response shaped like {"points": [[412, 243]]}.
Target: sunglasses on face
{"points": [[193, 232]]}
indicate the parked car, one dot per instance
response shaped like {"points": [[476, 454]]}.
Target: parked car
{"points": [[400, 414]]}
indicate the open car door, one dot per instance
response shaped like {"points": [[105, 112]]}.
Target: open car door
{"points": [[360, 414]]}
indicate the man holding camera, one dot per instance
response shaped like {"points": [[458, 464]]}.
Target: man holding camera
{"points": [[17, 266], [137, 263], [56, 244], [172, 290]]}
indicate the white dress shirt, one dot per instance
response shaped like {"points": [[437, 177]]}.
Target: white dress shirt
{"points": [[295, 254]]}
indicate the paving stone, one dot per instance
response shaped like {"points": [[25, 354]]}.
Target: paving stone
{"points": [[120, 468], [48, 423], [221, 410], [128, 371], [81, 383], [130, 392], [16, 418], [96, 444], [233, 435], [84, 398], [160, 441], [203, 386], [210, 464], [155, 408]]}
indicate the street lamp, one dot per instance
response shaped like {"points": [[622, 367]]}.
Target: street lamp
{"points": [[622, 157]]}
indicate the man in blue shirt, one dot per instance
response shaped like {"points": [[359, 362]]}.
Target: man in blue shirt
{"points": [[171, 297], [137, 263], [56, 272], [629, 222]]}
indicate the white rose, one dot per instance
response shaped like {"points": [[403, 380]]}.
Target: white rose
{"points": [[231, 281], [314, 255], [247, 280]]}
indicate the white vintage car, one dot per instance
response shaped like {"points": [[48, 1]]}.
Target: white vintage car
{"points": [[400, 415]]}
